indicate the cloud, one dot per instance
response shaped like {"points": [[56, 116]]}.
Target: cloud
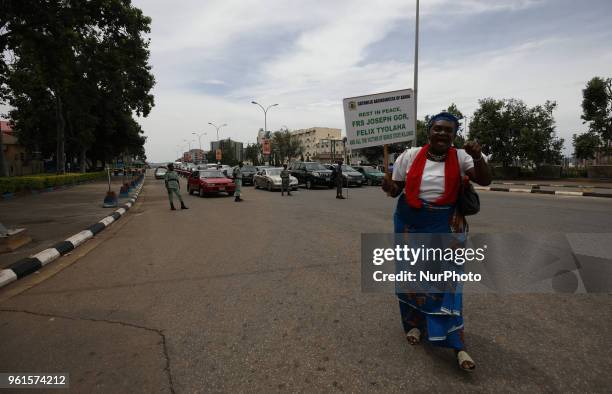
{"points": [[212, 58]]}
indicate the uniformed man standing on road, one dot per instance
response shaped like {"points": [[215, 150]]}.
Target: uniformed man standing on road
{"points": [[237, 175], [339, 180], [285, 181], [173, 185]]}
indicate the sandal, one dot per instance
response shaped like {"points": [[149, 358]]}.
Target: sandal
{"points": [[414, 336], [465, 361]]}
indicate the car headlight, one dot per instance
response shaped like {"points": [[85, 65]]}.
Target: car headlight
{"points": [[316, 174]]}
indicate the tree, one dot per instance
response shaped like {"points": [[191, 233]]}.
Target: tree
{"points": [[585, 145], [510, 131], [597, 109], [537, 142], [85, 61], [251, 153], [495, 126], [284, 147]]}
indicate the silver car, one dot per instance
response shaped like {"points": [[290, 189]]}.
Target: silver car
{"points": [[269, 178]]}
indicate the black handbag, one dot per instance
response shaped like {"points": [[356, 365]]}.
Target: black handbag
{"points": [[468, 202]]}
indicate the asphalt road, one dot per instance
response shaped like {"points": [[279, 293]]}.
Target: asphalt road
{"points": [[265, 296]]}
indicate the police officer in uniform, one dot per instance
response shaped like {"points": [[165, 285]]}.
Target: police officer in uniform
{"points": [[237, 175], [339, 180], [173, 185], [285, 181]]}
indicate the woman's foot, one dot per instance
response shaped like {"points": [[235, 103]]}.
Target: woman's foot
{"points": [[465, 361], [413, 336]]}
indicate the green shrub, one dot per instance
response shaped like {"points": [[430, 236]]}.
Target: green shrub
{"points": [[43, 181]]}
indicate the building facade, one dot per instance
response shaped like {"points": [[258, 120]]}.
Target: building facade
{"points": [[311, 137], [17, 159], [235, 146]]}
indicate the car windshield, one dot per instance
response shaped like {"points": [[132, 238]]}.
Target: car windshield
{"points": [[314, 166], [347, 168], [274, 171], [371, 170], [211, 174], [248, 168], [161, 170]]}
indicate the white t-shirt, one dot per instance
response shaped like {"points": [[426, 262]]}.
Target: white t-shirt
{"points": [[432, 183]]}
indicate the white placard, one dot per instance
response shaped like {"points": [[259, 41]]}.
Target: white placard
{"points": [[378, 119]]}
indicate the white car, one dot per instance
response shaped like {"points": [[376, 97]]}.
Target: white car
{"points": [[269, 178]]}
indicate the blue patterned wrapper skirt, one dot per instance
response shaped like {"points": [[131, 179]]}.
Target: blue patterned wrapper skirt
{"points": [[437, 314]]}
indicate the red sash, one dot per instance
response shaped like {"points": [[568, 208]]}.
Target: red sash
{"points": [[451, 178]]}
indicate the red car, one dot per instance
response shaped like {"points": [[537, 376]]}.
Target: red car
{"points": [[210, 181]]}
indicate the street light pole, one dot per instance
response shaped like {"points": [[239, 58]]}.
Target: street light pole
{"points": [[416, 65], [200, 141], [189, 143], [217, 127], [265, 111]]}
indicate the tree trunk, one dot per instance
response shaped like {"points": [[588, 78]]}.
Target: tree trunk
{"points": [[60, 158], [84, 160], [3, 171]]}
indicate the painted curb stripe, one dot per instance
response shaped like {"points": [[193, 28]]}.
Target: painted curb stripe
{"points": [[79, 238], [64, 247], [591, 194], [47, 256], [107, 221], [7, 276], [96, 228], [25, 267], [538, 191], [32, 264]]}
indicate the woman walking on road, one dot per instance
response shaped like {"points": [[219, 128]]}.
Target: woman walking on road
{"points": [[427, 181], [173, 185]]}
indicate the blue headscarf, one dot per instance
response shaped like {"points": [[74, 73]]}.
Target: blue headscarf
{"points": [[444, 116]]}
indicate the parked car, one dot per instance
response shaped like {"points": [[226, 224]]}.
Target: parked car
{"points": [[372, 175], [248, 172], [160, 172], [210, 181], [269, 178], [351, 176], [310, 173]]}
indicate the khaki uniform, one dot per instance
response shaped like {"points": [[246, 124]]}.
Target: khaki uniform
{"points": [[237, 174], [172, 185], [285, 182]]}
